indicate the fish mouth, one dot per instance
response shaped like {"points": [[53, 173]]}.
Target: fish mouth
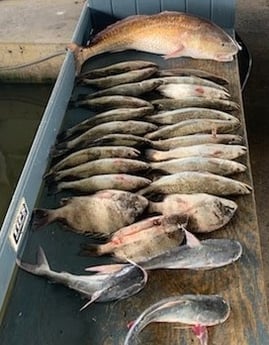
{"points": [[224, 57]]}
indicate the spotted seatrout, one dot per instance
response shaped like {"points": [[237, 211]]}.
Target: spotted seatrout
{"points": [[196, 182], [217, 166], [204, 150], [116, 68], [172, 34]]}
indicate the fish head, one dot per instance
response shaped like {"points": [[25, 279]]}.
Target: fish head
{"points": [[213, 43], [124, 283]]}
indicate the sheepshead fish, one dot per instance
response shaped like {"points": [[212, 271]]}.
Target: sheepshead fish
{"points": [[223, 167], [103, 212], [98, 287], [143, 239], [197, 255], [172, 34], [188, 182], [204, 150], [124, 182], [195, 311], [196, 139], [205, 212], [121, 114], [98, 167], [116, 68], [93, 153]]}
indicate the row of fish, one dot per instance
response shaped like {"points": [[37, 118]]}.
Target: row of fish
{"points": [[193, 170], [175, 143]]}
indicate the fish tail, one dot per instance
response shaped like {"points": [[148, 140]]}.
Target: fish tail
{"points": [[40, 268], [59, 150], [73, 104], [78, 55], [42, 217], [62, 136], [152, 155], [56, 152], [154, 207], [89, 250], [54, 188], [50, 176]]}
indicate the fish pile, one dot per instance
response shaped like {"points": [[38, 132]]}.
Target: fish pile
{"points": [[153, 165]]}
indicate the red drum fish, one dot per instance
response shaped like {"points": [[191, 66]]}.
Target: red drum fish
{"points": [[171, 34]]}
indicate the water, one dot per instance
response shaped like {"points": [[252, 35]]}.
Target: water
{"points": [[21, 109]]}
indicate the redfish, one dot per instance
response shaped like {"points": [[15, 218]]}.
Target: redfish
{"points": [[171, 34]]}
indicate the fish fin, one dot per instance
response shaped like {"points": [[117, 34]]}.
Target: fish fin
{"points": [[140, 267], [50, 177], [78, 55], [176, 53], [105, 269], [40, 267], [53, 188], [192, 241], [40, 218], [62, 136], [94, 297], [201, 333], [89, 249], [65, 201], [56, 152]]}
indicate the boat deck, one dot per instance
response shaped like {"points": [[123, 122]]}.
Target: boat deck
{"points": [[41, 312]]}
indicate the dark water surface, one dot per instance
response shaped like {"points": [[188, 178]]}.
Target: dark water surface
{"points": [[21, 109]]}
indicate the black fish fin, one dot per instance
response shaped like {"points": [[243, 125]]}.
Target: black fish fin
{"points": [[50, 176], [73, 104], [89, 249], [40, 218], [56, 152], [62, 136], [53, 188]]}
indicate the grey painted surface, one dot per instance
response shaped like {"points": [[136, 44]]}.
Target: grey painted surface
{"points": [[32, 175]]}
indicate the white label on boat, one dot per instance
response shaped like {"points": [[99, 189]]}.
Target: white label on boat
{"points": [[19, 224]]}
